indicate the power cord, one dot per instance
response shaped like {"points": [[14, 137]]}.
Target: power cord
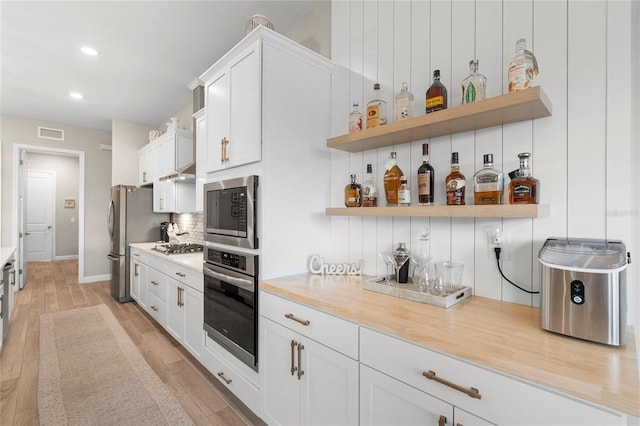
{"points": [[497, 250]]}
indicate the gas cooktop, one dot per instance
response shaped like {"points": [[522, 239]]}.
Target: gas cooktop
{"points": [[168, 248]]}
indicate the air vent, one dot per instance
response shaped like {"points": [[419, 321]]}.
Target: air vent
{"points": [[47, 133]]}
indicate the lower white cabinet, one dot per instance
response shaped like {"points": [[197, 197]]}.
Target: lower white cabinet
{"points": [[172, 295], [185, 315], [303, 381], [473, 392], [387, 401]]}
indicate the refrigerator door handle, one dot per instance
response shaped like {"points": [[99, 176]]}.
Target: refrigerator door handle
{"points": [[110, 218], [113, 258]]}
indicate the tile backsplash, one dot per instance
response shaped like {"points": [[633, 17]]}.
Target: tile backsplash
{"points": [[191, 223]]}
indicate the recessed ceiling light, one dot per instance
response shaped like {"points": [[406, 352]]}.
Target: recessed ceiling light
{"points": [[76, 95], [89, 51]]}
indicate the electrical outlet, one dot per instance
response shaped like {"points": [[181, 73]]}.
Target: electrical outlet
{"points": [[496, 238]]}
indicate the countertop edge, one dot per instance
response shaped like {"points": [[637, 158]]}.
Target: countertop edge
{"points": [[6, 253]]}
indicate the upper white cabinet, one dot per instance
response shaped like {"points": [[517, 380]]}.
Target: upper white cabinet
{"points": [[233, 104], [173, 197], [171, 151]]}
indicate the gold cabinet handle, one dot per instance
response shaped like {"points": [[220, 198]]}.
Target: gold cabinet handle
{"points": [[223, 150], [144, 176], [472, 392], [135, 271], [442, 420], [222, 376], [300, 371], [155, 308], [180, 296], [294, 318], [180, 274], [293, 366]]}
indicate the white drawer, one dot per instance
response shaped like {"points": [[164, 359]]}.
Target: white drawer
{"points": [[337, 333], [157, 308], [157, 284], [230, 377], [185, 275], [504, 400]]}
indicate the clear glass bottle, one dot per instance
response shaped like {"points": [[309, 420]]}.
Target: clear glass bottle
{"points": [[355, 119], [523, 67], [436, 97], [404, 193], [369, 190], [524, 188], [423, 271], [455, 183], [425, 179], [353, 193], [474, 87], [404, 103], [392, 180], [488, 183], [376, 109]]}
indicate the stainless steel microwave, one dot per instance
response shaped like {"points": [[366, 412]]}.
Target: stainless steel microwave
{"points": [[230, 211]]}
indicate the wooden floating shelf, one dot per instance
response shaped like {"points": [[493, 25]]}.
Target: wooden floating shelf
{"points": [[510, 108], [503, 210]]}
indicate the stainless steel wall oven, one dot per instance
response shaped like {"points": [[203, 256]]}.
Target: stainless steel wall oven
{"points": [[231, 302]]}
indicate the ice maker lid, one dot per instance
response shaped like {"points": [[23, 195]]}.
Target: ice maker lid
{"points": [[584, 254]]}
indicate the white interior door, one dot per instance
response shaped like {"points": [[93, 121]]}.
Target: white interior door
{"points": [[40, 216], [22, 219]]}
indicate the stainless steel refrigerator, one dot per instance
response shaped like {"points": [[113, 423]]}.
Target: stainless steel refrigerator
{"points": [[130, 220]]}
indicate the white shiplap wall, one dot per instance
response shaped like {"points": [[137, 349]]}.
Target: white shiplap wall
{"points": [[581, 154]]}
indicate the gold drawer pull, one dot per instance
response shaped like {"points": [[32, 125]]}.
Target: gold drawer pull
{"points": [[155, 308], [300, 370], [293, 367], [472, 392], [292, 317], [222, 376], [180, 274], [442, 420]]}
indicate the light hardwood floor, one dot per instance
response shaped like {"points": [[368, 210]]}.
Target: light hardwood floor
{"points": [[53, 287]]}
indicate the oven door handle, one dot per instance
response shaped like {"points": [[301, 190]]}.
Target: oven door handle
{"points": [[244, 283]]}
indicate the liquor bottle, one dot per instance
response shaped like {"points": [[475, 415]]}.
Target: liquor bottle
{"points": [[455, 183], [474, 86], [369, 190], [404, 193], [488, 183], [404, 103], [355, 119], [524, 188], [376, 110], [436, 98], [353, 193], [425, 179], [523, 67], [392, 180]]}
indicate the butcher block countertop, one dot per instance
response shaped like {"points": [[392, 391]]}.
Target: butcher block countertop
{"points": [[505, 337]]}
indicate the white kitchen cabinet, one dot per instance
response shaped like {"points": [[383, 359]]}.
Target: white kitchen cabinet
{"points": [[387, 401], [138, 277], [233, 110], [173, 197], [304, 377], [201, 157], [175, 151], [147, 164], [185, 309], [498, 399]]}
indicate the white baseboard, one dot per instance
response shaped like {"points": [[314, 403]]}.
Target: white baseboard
{"points": [[70, 257], [94, 278]]}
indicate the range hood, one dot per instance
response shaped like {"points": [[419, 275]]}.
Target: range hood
{"points": [[187, 175]]}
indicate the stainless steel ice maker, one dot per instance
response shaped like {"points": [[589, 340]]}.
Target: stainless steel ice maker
{"points": [[584, 289]]}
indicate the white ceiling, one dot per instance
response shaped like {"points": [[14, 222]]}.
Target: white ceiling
{"points": [[149, 53]]}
